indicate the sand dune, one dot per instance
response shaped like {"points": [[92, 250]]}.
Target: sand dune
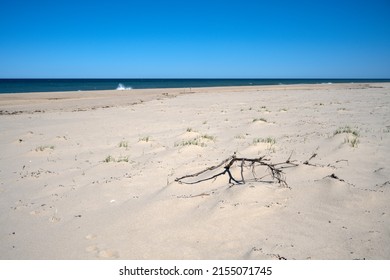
{"points": [[91, 175]]}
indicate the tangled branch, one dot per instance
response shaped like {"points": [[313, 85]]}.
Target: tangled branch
{"points": [[275, 171]]}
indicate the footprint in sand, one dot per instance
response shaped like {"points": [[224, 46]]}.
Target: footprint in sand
{"points": [[108, 254], [54, 219], [34, 212], [92, 248], [100, 253], [90, 236]]}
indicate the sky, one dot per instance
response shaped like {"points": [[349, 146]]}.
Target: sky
{"points": [[194, 39]]}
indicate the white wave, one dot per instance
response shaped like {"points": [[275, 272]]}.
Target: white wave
{"points": [[122, 87]]}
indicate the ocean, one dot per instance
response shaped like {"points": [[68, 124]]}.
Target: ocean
{"points": [[48, 85]]}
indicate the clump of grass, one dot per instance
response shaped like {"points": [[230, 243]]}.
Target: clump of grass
{"points": [[195, 142], [346, 129], [352, 135], [42, 148], [208, 137], [259, 119], [268, 140], [144, 139], [123, 159], [120, 159], [353, 141], [189, 129], [239, 136], [123, 144], [109, 159]]}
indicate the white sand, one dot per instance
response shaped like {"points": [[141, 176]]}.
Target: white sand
{"points": [[59, 199]]}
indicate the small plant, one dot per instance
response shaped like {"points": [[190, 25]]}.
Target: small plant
{"points": [[240, 136], [144, 139], [123, 144], [123, 159], [190, 129], [268, 140], [109, 159], [194, 142], [120, 159], [346, 129], [353, 141], [208, 137], [42, 148]]}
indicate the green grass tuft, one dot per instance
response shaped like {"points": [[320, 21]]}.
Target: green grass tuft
{"points": [[346, 129], [353, 141], [42, 148], [109, 159], [144, 139], [123, 144], [120, 159], [268, 140]]}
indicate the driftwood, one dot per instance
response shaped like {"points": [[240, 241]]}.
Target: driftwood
{"points": [[275, 171]]}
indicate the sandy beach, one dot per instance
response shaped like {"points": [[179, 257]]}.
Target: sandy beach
{"points": [[91, 175]]}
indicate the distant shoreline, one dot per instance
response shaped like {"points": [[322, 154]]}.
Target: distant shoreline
{"points": [[67, 85], [89, 100]]}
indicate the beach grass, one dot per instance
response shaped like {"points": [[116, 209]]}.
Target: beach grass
{"points": [[123, 144], [352, 141], [268, 140], [144, 139], [346, 129], [112, 159], [45, 147], [192, 142]]}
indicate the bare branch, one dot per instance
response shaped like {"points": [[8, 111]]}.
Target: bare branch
{"points": [[274, 170]]}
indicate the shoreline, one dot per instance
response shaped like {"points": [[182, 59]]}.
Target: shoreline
{"points": [[35, 102], [59, 85]]}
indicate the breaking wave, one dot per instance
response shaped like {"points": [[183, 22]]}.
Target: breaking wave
{"points": [[122, 87]]}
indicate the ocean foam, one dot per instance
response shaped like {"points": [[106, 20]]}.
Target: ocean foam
{"points": [[122, 87]]}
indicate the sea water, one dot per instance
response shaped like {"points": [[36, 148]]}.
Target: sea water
{"points": [[48, 85]]}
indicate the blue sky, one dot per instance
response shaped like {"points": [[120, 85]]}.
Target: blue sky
{"points": [[194, 39]]}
